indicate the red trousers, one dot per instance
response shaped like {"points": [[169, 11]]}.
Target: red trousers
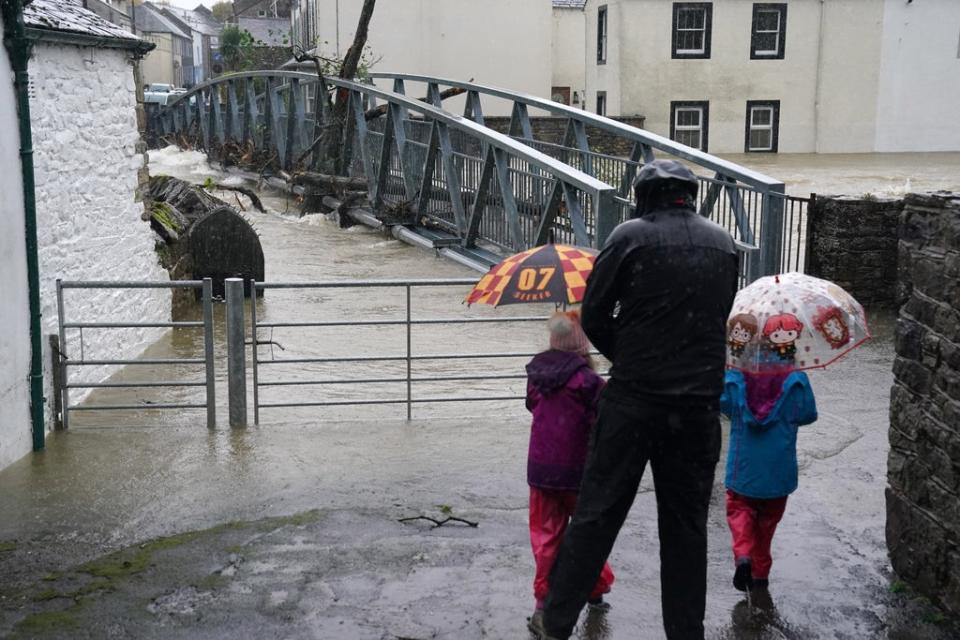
{"points": [[550, 512], [753, 522]]}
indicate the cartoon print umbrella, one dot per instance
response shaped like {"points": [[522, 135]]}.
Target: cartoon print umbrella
{"points": [[793, 322], [548, 273]]}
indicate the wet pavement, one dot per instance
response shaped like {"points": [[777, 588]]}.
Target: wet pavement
{"points": [[291, 529]]}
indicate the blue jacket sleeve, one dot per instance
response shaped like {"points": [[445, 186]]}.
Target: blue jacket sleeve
{"points": [[803, 409], [726, 400]]}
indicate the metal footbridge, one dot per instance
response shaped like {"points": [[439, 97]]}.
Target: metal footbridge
{"points": [[468, 191]]}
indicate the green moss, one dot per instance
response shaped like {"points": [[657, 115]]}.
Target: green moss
{"points": [[7, 546], [898, 586], [50, 577], [48, 594], [45, 621], [162, 214], [133, 560]]}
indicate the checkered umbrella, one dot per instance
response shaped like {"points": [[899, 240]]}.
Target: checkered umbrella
{"points": [[550, 273]]}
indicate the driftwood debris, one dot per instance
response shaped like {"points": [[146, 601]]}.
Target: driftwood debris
{"points": [[329, 182], [203, 237]]}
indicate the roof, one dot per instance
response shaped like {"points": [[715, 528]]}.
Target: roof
{"points": [[569, 4], [196, 19], [149, 19], [47, 17]]}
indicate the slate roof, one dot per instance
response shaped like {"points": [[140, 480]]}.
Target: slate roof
{"points": [[69, 16], [569, 4], [196, 19], [149, 19]]}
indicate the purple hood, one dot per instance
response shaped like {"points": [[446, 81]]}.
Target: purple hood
{"points": [[550, 370]]}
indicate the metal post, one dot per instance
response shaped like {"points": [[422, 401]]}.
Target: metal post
{"points": [[208, 352], [409, 355], [253, 353], [57, 381], [64, 380], [236, 353]]}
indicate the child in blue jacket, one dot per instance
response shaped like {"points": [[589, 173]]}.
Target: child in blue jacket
{"points": [[765, 410]]}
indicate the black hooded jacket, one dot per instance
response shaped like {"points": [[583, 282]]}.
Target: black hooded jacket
{"points": [[656, 306]]}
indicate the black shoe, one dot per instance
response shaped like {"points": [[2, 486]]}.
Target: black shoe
{"points": [[598, 605], [742, 577]]}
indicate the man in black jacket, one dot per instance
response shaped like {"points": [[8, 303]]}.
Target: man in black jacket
{"points": [[656, 306]]}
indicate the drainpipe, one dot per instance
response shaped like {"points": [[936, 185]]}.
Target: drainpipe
{"points": [[18, 48]]}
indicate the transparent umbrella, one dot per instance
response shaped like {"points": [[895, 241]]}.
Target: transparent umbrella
{"points": [[793, 321]]}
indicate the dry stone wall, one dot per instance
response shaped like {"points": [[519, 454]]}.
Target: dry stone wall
{"points": [[551, 129], [853, 242], [923, 497]]}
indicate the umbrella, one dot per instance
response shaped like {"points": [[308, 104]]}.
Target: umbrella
{"points": [[792, 322], [549, 273]]}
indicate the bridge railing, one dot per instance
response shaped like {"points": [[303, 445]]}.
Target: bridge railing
{"points": [[748, 203], [477, 185]]}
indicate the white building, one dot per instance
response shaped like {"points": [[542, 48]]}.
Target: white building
{"points": [[569, 49], [505, 43], [87, 155], [733, 76]]}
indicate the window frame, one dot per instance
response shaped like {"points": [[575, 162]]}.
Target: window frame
{"points": [[691, 54], [601, 99], [781, 9], [774, 106], [704, 106], [603, 33]]}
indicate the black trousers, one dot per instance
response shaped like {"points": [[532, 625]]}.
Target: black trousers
{"points": [[682, 446]]}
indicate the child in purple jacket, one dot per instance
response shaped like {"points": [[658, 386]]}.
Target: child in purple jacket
{"points": [[562, 394]]}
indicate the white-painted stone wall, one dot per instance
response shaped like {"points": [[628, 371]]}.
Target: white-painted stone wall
{"points": [[15, 440], [89, 226], [505, 43], [919, 95], [569, 51]]}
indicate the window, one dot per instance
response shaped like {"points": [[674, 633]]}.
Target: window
{"points": [[689, 123], [769, 31], [763, 125], [601, 103], [602, 35], [261, 13], [560, 94], [691, 29]]}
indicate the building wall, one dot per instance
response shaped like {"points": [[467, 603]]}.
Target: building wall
{"points": [[857, 75], [919, 84], [569, 51], [606, 77], [157, 66], [88, 219], [15, 439], [499, 42], [849, 70]]}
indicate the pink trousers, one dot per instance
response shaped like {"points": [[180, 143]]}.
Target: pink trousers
{"points": [[550, 511], [753, 522]]}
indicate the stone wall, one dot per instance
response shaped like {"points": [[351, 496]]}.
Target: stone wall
{"points": [[15, 438], [551, 129], [853, 242], [87, 158], [923, 497]]}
